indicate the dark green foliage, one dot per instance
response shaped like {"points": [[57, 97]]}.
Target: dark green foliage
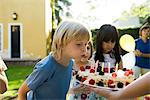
{"points": [[131, 31], [94, 31]]}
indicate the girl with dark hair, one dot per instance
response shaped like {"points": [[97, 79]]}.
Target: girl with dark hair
{"points": [[107, 46], [107, 49]]}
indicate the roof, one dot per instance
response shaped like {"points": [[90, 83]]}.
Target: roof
{"points": [[127, 22]]}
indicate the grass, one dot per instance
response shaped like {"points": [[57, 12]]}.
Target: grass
{"points": [[16, 75]]}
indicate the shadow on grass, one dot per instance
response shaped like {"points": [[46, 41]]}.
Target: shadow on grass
{"points": [[12, 92], [6, 95], [9, 98]]}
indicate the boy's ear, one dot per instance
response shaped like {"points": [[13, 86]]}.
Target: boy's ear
{"points": [[59, 44]]}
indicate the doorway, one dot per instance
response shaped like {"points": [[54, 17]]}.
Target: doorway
{"points": [[15, 41]]}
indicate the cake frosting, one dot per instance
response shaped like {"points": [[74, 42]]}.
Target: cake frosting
{"points": [[115, 79]]}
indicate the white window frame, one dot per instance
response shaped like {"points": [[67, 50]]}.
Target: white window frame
{"points": [[21, 39], [2, 34]]}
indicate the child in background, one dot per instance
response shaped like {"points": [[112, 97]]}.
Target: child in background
{"points": [[3, 77], [77, 91], [142, 51], [107, 46], [51, 77]]}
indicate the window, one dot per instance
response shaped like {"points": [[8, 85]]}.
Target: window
{"points": [[1, 37]]}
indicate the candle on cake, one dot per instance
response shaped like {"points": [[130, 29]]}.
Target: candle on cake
{"points": [[116, 69], [102, 66], [108, 67]]}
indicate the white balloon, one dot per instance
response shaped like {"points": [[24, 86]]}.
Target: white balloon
{"points": [[127, 43], [129, 60]]}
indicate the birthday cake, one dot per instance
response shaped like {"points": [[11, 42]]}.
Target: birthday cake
{"points": [[96, 76]]}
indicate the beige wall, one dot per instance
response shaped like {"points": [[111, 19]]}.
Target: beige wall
{"points": [[31, 14]]}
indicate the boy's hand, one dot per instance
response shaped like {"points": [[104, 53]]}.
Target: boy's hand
{"points": [[138, 53]]}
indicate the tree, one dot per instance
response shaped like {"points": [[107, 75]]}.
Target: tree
{"points": [[57, 7], [142, 11]]}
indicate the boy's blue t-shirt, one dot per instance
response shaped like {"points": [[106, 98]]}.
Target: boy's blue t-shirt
{"points": [[49, 80], [143, 62]]}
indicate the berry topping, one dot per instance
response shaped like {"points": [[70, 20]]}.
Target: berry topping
{"points": [[92, 82], [101, 73], [128, 70], [92, 70], [112, 70], [82, 68], [120, 85], [106, 70], [99, 68], [124, 69], [127, 83], [78, 77], [83, 79], [110, 81], [100, 83], [131, 72], [126, 73], [88, 67], [114, 74]]}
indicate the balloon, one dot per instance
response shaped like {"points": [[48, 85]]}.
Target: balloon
{"points": [[127, 43], [128, 60]]}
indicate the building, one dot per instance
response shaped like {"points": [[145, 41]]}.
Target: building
{"points": [[127, 22], [24, 27]]}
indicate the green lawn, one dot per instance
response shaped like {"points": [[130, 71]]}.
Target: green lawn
{"points": [[16, 75]]}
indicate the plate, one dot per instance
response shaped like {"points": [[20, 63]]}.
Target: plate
{"points": [[100, 87]]}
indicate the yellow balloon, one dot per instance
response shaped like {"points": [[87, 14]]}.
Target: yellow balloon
{"points": [[127, 43]]}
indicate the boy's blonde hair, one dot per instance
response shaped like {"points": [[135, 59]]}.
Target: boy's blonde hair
{"points": [[68, 31]]}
